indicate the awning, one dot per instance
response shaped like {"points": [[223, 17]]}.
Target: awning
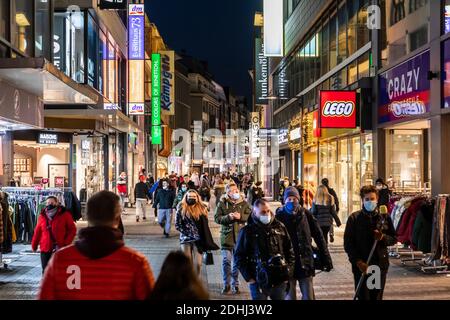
{"points": [[113, 118], [41, 78]]}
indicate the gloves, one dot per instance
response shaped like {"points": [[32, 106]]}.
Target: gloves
{"points": [[378, 235], [362, 266]]}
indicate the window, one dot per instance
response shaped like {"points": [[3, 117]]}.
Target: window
{"points": [[92, 77], [352, 13], [363, 35], [342, 34], [324, 49], [353, 72], [333, 43], [363, 66], [43, 43], [22, 29], [4, 19], [418, 38]]}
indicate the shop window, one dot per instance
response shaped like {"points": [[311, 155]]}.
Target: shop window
{"points": [[93, 49], [68, 54], [102, 58], [333, 42], [43, 42], [352, 13], [4, 19], [22, 37], [363, 35], [342, 34], [418, 38]]}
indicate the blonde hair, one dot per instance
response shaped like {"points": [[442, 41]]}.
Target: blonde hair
{"points": [[323, 197], [194, 211]]}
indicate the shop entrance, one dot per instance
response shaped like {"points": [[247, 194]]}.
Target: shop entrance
{"points": [[408, 157]]}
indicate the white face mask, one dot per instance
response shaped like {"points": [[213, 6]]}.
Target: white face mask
{"points": [[165, 186], [236, 196], [265, 219]]}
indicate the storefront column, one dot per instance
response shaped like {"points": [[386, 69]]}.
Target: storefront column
{"points": [[106, 162], [440, 149]]}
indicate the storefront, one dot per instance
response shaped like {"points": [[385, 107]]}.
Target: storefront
{"points": [[403, 114]]}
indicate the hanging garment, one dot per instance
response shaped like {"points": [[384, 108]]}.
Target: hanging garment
{"points": [[406, 227], [422, 231]]}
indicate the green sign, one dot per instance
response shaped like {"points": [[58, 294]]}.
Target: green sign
{"points": [[156, 98]]}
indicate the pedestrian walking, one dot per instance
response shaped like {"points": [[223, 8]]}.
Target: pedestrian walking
{"points": [[283, 185], [255, 192], [324, 210], [205, 191], [302, 228], [141, 192], [384, 194], [264, 254], [178, 280], [98, 266], [333, 193], [231, 213], [219, 189], [363, 228], [196, 179], [192, 223], [153, 191], [164, 202], [182, 189], [122, 189], [55, 229]]}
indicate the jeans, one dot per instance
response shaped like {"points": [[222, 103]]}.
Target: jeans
{"points": [[325, 231], [165, 219], [45, 258], [122, 200], [140, 207], [370, 294], [276, 293], [191, 251], [227, 271], [306, 288]]}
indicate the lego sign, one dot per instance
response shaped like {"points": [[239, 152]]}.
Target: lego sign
{"points": [[338, 109]]}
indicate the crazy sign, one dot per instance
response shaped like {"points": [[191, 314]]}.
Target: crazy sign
{"points": [[338, 109]]}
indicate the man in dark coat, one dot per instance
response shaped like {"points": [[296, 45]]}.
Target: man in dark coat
{"points": [[384, 194], [363, 228], [264, 254], [302, 228]]}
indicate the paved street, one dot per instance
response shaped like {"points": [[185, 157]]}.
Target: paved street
{"points": [[21, 280]]}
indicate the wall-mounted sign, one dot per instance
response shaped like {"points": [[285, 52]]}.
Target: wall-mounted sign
{"points": [[261, 73], [44, 181], [47, 138], [295, 134], [168, 82], [405, 90], [446, 74], [113, 4], [156, 131], [273, 28], [111, 106], [136, 59], [254, 129], [337, 109], [85, 145], [283, 136]]}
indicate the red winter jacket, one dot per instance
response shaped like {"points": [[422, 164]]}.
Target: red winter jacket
{"points": [[63, 229], [122, 275]]}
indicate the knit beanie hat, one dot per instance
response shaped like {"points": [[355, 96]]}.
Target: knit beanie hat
{"points": [[291, 192]]}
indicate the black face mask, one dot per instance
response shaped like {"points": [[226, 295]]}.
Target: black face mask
{"points": [[51, 207], [191, 202]]}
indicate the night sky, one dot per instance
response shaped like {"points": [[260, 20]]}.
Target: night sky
{"points": [[219, 32]]}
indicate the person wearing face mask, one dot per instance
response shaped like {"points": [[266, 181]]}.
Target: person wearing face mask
{"points": [[264, 254], [283, 185], [164, 202], [122, 189], [302, 228], [54, 230], [192, 223], [231, 213], [362, 229], [384, 194], [180, 195], [255, 192]]}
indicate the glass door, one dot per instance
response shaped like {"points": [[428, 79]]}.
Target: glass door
{"points": [[355, 174], [342, 181]]}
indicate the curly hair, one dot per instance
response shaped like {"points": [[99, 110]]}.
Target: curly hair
{"points": [[368, 189]]}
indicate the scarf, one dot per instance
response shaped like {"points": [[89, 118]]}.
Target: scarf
{"points": [[51, 213], [99, 242]]}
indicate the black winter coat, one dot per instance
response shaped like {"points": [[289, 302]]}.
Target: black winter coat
{"points": [[302, 228], [165, 199], [141, 191], [256, 240], [334, 195], [325, 214], [384, 196], [359, 238]]}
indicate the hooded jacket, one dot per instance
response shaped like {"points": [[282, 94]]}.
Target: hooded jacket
{"points": [[107, 269], [63, 231], [230, 228], [165, 198], [259, 241], [302, 228]]}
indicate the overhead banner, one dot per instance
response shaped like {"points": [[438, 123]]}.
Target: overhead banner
{"points": [[254, 131], [337, 109], [405, 90], [261, 73], [168, 82], [156, 99], [113, 4], [273, 28], [136, 59]]}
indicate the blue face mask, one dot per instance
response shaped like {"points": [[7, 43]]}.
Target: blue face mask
{"points": [[291, 206], [370, 206]]}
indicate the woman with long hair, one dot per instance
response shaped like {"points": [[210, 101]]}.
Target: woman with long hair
{"points": [[192, 223], [178, 280], [324, 210]]}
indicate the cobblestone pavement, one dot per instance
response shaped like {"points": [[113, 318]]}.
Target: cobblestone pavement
{"points": [[21, 279]]}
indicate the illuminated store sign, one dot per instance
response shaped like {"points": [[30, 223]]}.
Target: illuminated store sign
{"points": [[261, 73], [405, 90], [48, 138], [255, 125], [156, 99], [168, 82], [273, 28], [337, 109]]}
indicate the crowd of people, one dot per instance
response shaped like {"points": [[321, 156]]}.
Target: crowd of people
{"points": [[273, 251]]}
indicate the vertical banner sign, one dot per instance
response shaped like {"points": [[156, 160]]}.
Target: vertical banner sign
{"points": [[273, 28], [136, 59], [254, 131], [261, 73], [168, 82], [156, 98]]}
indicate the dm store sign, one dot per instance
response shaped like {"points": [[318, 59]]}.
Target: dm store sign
{"points": [[405, 90], [136, 29]]}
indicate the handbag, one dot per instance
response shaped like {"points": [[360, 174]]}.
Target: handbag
{"points": [[208, 258]]}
